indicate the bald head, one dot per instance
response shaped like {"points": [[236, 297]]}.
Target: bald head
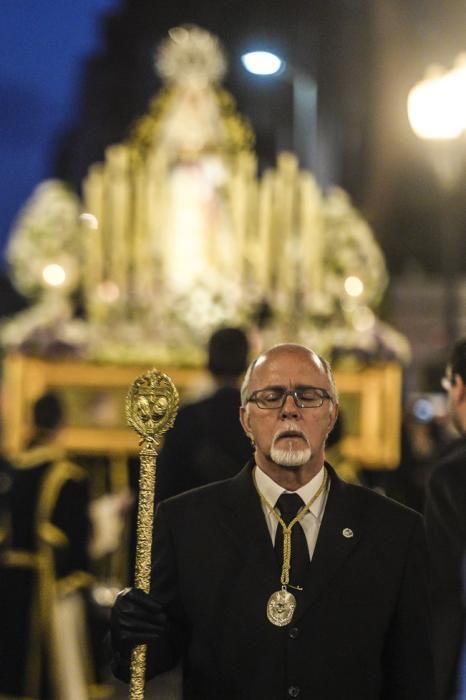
{"points": [[285, 351]]}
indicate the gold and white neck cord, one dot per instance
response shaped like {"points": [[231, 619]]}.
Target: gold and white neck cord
{"points": [[282, 604]]}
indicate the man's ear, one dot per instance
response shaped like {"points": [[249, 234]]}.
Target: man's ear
{"points": [[245, 421], [459, 387], [333, 417]]}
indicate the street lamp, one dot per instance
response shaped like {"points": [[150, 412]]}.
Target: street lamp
{"points": [[304, 89], [437, 114], [436, 105], [262, 62]]}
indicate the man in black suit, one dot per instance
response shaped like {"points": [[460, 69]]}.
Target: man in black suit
{"points": [[284, 581], [446, 530], [207, 442]]}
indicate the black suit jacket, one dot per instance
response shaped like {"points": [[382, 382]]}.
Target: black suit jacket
{"points": [[206, 444], [446, 529], [360, 630]]}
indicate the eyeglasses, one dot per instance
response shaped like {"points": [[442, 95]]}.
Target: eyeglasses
{"points": [[275, 397]]}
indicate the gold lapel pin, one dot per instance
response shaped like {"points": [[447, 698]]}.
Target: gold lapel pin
{"points": [[347, 532]]}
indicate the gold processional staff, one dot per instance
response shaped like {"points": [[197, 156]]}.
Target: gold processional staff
{"points": [[151, 407]]}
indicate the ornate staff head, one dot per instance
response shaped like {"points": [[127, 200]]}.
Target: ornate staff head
{"points": [[151, 405]]}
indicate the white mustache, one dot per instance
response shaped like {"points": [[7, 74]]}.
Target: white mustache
{"points": [[289, 430]]}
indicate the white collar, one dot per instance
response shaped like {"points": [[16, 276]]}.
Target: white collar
{"points": [[271, 491]]}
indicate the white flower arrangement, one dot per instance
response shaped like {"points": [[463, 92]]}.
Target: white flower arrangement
{"points": [[47, 328], [350, 250], [46, 233]]}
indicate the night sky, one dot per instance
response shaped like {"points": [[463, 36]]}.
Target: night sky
{"points": [[43, 44]]}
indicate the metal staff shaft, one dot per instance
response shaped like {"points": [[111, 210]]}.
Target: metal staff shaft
{"points": [[145, 523], [151, 407]]}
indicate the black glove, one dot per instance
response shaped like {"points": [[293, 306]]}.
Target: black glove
{"points": [[136, 619]]}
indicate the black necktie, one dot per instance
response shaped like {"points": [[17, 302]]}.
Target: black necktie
{"points": [[289, 504]]}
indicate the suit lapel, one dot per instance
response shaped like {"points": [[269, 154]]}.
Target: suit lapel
{"points": [[339, 534], [244, 525]]}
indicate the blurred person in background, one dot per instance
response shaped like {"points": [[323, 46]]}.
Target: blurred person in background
{"points": [[422, 441], [48, 538], [445, 514], [44, 566], [207, 442]]}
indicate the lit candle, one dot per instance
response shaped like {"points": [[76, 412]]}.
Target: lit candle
{"points": [[117, 215], [311, 235], [263, 256], [286, 240]]}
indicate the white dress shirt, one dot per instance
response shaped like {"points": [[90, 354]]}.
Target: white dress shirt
{"points": [[310, 522]]}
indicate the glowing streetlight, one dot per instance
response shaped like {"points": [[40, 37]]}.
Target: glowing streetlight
{"points": [[303, 131], [437, 113], [262, 62], [436, 105]]}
